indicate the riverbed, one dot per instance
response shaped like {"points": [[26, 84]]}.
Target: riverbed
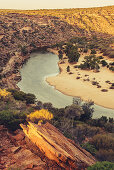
{"points": [[34, 73]]}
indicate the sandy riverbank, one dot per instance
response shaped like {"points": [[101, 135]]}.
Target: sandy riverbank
{"points": [[69, 85]]}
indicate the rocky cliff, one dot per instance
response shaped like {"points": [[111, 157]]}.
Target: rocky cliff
{"points": [[57, 147]]}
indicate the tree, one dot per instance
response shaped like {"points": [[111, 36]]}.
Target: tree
{"points": [[76, 101], [30, 98], [47, 106], [39, 105], [88, 111], [104, 63], [68, 68], [103, 119], [73, 56], [60, 54], [90, 62], [73, 112]]}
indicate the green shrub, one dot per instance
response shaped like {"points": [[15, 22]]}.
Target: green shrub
{"points": [[102, 166], [73, 112], [12, 119], [30, 98], [88, 111], [90, 148], [20, 95], [104, 63], [73, 56]]}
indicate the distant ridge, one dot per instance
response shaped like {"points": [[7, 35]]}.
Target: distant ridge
{"points": [[97, 19]]}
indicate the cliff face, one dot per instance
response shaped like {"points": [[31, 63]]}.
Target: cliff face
{"points": [[57, 147]]}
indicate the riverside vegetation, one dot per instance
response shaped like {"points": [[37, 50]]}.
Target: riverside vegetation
{"points": [[70, 31]]}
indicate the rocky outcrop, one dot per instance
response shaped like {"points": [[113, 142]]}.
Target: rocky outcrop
{"points": [[18, 152], [57, 147]]}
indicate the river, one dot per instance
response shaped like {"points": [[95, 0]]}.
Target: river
{"points": [[34, 73]]}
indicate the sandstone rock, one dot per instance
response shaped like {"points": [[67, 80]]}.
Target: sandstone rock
{"points": [[57, 147], [18, 137], [15, 156], [25, 159]]}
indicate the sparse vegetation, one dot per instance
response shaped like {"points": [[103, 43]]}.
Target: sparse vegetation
{"points": [[102, 166]]}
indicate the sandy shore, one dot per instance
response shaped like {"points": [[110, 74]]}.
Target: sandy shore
{"points": [[69, 85]]}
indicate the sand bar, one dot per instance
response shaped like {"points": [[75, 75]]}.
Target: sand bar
{"points": [[69, 85]]}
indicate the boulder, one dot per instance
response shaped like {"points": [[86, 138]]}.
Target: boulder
{"points": [[57, 147]]}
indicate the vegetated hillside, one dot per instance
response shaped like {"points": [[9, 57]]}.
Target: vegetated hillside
{"points": [[90, 19]]}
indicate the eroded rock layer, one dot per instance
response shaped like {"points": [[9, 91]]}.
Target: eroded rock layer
{"points": [[57, 147]]}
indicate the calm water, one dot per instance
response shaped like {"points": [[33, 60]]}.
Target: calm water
{"points": [[34, 72]]}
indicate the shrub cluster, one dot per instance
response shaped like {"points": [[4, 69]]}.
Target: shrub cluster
{"points": [[90, 62], [103, 122], [12, 119], [105, 146], [20, 95]]}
